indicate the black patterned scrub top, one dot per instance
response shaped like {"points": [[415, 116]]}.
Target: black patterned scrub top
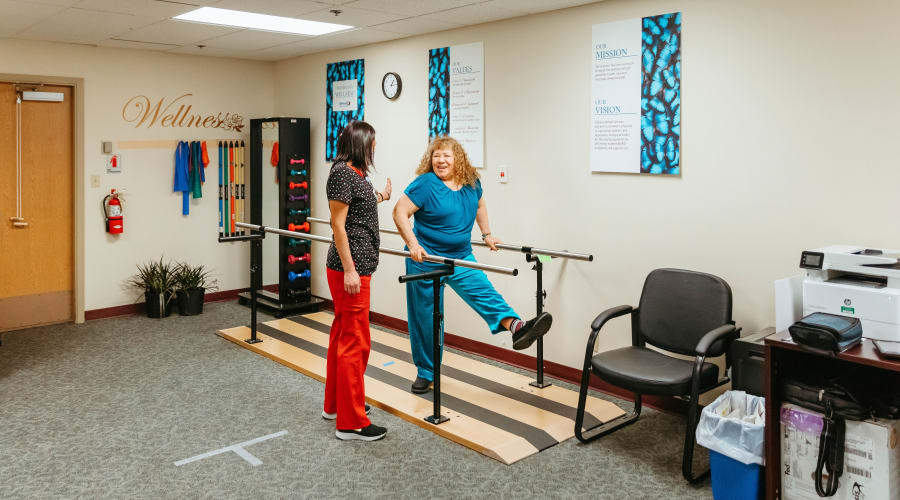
{"points": [[347, 185]]}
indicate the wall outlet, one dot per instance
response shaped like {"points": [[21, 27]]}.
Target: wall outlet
{"points": [[504, 174], [95, 181]]}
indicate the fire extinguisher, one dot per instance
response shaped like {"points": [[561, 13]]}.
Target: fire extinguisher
{"points": [[113, 212]]}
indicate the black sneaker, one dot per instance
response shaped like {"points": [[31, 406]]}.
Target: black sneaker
{"points": [[370, 433], [332, 416], [421, 385], [531, 331]]}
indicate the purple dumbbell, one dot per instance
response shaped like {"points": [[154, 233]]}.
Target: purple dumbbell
{"points": [[302, 197]]}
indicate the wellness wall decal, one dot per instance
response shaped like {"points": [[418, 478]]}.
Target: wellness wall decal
{"points": [[176, 113], [456, 97], [636, 96], [345, 98]]}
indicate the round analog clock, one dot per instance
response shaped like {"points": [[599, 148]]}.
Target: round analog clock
{"points": [[391, 85]]}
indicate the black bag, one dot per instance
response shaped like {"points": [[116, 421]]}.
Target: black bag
{"points": [[827, 332], [837, 404]]}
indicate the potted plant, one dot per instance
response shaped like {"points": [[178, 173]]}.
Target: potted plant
{"points": [[157, 279], [192, 282]]}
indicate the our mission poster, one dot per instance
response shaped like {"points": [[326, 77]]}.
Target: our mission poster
{"points": [[636, 96]]}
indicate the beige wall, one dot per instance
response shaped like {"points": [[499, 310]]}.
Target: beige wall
{"points": [[153, 222], [789, 127]]}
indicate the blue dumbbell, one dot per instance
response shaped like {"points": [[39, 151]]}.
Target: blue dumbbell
{"points": [[298, 172], [293, 276]]}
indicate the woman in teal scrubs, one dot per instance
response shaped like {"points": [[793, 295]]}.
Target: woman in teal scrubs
{"points": [[446, 201]]}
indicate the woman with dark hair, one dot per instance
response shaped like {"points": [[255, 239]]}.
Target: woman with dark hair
{"points": [[352, 258], [446, 201]]}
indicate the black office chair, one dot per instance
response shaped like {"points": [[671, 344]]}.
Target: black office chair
{"points": [[683, 312]]}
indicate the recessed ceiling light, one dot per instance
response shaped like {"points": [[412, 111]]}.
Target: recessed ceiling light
{"points": [[262, 22]]}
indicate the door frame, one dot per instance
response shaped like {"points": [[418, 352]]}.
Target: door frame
{"points": [[77, 85]]}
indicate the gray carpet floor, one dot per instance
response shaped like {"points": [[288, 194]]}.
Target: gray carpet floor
{"points": [[105, 409]]}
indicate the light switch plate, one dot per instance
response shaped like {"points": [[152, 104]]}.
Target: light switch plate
{"points": [[95, 181], [106, 147]]}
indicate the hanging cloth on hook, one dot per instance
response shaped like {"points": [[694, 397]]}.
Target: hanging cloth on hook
{"points": [[182, 175]]}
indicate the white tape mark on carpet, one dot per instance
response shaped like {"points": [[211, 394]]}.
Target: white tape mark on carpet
{"points": [[237, 448]]}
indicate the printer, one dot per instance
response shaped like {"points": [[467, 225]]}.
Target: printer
{"points": [[855, 281]]}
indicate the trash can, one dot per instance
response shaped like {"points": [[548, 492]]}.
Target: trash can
{"points": [[733, 429]]}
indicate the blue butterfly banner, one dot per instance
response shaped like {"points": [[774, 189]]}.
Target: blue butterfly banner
{"points": [[456, 97], [636, 96], [345, 97]]}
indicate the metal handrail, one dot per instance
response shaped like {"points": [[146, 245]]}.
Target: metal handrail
{"points": [[503, 246], [392, 251]]}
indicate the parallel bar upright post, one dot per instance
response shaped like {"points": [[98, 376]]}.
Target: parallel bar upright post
{"points": [[255, 261], [540, 295]]}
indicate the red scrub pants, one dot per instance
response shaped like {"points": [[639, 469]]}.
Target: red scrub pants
{"points": [[348, 353]]}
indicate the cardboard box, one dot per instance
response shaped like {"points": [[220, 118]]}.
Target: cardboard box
{"points": [[871, 457]]}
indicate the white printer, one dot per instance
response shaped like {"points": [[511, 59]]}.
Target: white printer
{"points": [[855, 281]]}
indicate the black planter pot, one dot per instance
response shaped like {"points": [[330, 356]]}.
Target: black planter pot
{"points": [[158, 306], [190, 302]]}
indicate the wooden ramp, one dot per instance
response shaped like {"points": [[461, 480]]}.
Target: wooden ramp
{"points": [[492, 410]]}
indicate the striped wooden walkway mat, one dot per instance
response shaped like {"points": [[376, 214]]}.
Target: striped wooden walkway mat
{"points": [[492, 410]]}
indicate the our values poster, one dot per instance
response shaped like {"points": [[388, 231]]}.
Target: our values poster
{"points": [[456, 97], [636, 95], [345, 99]]}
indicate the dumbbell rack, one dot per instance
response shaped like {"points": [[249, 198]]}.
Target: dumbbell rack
{"points": [[294, 293]]}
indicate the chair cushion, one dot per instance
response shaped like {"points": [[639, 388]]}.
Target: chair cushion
{"points": [[646, 371]]}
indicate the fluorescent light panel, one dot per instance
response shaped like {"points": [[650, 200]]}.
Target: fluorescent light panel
{"points": [[262, 22]]}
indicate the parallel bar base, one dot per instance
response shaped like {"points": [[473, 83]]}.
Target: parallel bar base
{"points": [[484, 407], [540, 386], [440, 419]]}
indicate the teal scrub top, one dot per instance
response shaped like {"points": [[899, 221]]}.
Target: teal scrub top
{"points": [[444, 221]]}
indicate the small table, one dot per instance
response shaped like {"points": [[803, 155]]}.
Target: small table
{"points": [[782, 352]]}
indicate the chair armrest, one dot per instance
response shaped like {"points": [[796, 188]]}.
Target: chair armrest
{"points": [[599, 321], [613, 312], [711, 337]]}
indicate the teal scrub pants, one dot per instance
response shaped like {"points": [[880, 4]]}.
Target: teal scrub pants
{"points": [[470, 284]]}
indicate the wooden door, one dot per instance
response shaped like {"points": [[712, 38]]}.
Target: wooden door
{"points": [[37, 261]]}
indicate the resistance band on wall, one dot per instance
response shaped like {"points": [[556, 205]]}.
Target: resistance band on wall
{"points": [[232, 188]]}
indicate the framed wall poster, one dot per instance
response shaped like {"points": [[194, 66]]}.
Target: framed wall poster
{"points": [[345, 97], [456, 97], [636, 96]]}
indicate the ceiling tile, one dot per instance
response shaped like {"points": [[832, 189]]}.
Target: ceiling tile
{"points": [[214, 52], [343, 40], [62, 3], [409, 8], [83, 26], [286, 8], [128, 44], [20, 15], [176, 32], [359, 18], [535, 6], [147, 8], [416, 26], [251, 40], [474, 14]]}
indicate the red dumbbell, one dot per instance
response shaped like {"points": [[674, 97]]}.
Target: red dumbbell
{"points": [[295, 185], [302, 227], [300, 161], [293, 258]]}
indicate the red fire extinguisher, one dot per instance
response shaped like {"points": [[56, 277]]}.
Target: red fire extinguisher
{"points": [[113, 212]]}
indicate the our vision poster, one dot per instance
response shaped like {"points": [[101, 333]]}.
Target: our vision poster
{"points": [[636, 96], [345, 98], [456, 97]]}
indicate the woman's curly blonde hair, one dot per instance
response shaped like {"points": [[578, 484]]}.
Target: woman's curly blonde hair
{"points": [[463, 171]]}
